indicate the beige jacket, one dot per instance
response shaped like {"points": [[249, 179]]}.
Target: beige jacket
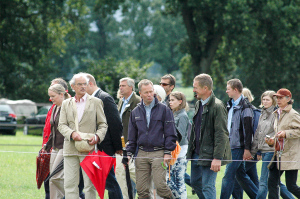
{"points": [[265, 127], [93, 121], [289, 122]]}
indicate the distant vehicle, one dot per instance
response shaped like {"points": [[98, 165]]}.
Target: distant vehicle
{"points": [[7, 117], [38, 120], [22, 108]]}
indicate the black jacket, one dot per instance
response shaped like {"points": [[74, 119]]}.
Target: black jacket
{"points": [[112, 141]]}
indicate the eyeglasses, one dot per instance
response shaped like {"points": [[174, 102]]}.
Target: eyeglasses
{"points": [[164, 84], [81, 84]]}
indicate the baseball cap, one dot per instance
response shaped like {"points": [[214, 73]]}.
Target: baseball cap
{"points": [[283, 92]]}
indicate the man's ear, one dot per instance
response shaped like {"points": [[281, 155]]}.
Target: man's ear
{"points": [[172, 87]]}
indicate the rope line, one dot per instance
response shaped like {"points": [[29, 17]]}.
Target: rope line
{"points": [[23, 152]]}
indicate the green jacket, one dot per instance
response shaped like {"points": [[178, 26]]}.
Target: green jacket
{"points": [[134, 100], [214, 136]]}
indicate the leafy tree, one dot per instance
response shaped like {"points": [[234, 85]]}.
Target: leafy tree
{"points": [[142, 31], [269, 56], [109, 71], [31, 32], [256, 41]]}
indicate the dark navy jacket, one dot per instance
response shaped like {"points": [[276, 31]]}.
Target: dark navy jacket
{"points": [[161, 134]]}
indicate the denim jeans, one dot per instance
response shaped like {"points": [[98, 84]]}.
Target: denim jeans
{"points": [[232, 169], [112, 186], [203, 179], [290, 179], [251, 171], [176, 182], [263, 183], [187, 179]]}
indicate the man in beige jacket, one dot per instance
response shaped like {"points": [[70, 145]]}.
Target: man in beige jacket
{"points": [[90, 119]]}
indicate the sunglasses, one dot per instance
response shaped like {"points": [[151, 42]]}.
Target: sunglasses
{"points": [[164, 84]]}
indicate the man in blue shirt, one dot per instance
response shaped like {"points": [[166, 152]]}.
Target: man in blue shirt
{"points": [[152, 130], [240, 134]]}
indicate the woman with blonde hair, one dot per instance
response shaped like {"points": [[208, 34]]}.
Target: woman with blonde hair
{"points": [[178, 170], [57, 94], [247, 93]]}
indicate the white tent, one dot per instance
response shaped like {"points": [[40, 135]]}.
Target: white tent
{"points": [[22, 108]]}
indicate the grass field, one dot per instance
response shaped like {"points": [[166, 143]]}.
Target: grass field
{"points": [[18, 167]]}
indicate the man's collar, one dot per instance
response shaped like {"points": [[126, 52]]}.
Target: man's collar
{"points": [[83, 99], [151, 104], [236, 102], [203, 102], [128, 98], [94, 93]]}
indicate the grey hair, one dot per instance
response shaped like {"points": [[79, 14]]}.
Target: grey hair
{"points": [[144, 82], [130, 82], [72, 81], [160, 91]]}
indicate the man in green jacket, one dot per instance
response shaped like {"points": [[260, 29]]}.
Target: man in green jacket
{"points": [[125, 106], [209, 146]]}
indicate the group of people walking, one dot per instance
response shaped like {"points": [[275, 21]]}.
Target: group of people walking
{"points": [[156, 122]]}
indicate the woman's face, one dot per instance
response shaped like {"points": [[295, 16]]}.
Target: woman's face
{"points": [[283, 101], [174, 103], [267, 101], [56, 98]]}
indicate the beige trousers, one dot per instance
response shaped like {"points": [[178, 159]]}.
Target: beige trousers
{"points": [[56, 183], [121, 175], [147, 162], [71, 169]]}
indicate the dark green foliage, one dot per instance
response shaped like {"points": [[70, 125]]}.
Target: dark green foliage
{"points": [[31, 33], [109, 71]]}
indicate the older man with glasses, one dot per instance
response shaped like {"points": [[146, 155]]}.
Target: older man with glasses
{"points": [[80, 115], [168, 83]]}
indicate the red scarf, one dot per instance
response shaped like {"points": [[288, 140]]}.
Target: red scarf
{"points": [[47, 128]]}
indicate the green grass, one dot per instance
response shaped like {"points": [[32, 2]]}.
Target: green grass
{"points": [[18, 167]]}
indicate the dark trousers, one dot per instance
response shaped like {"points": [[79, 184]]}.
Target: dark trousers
{"points": [[112, 186], [251, 171], [47, 190], [290, 180]]}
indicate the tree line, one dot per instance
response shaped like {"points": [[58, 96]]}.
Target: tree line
{"points": [[255, 41]]}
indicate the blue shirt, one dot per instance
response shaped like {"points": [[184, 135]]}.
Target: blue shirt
{"points": [[230, 112], [148, 110], [203, 102], [125, 102]]}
